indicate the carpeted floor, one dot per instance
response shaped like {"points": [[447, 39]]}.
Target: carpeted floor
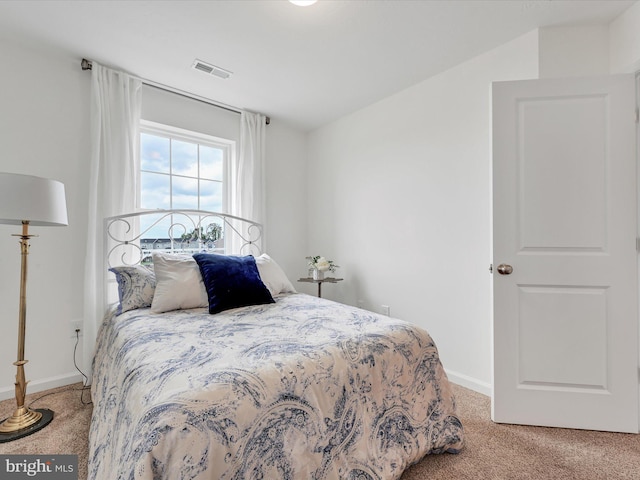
{"points": [[492, 451], [66, 434]]}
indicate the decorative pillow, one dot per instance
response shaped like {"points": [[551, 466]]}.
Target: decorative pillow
{"points": [[179, 283], [231, 281], [136, 285], [272, 275]]}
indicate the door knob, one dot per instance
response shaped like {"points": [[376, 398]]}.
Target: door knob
{"points": [[504, 269]]}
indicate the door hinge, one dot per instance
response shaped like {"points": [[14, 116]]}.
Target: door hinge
{"points": [[491, 268]]}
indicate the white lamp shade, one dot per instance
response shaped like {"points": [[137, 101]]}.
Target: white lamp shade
{"points": [[39, 201]]}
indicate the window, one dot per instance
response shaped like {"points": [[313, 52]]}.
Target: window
{"points": [[180, 169], [183, 169]]}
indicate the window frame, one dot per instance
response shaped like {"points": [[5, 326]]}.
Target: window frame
{"points": [[175, 133]]}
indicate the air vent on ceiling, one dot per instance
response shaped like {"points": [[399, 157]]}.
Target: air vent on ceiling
{"points": [[210, 69]]}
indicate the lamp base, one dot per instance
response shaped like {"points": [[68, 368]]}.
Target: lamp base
{"points": [[45, 417]]}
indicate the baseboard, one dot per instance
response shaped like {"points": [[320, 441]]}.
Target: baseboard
{"points": [[469, 382], [62, 380], [41, 385]]}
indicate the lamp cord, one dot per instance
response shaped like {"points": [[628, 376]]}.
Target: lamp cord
{"points": [[85, 386]]}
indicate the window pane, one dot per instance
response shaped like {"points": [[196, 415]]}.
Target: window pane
{"points": [[154, 227], [211, 163], [154, 190], [154, 153], [177, 171], [185, 192], [211, 196], [184, 158]]}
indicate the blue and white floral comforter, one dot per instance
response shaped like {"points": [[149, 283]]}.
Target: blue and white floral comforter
{"points": [[301, 389]]}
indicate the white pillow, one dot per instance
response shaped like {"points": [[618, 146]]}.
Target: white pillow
{"points": [[179, 283], [272, 276]]}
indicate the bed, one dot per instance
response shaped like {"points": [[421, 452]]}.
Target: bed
{"points": [[286, 387]]}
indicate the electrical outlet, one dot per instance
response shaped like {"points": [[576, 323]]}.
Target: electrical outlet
{"points": [[77, 325], [385, 310]]}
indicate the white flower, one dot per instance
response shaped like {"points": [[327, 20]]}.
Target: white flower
{"points": [[318, 262], [322, 264]]}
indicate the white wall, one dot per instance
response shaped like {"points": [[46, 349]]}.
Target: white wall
{"points": [[574, 51], [624, 41], [586, 50], [286, 177], [44, 131], [176, 110], [399, 195]]}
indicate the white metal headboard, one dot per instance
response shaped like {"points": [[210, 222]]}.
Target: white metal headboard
{"points": [[130, 239]]}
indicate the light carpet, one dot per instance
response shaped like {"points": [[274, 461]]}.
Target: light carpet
{"points": [[492, 451]]}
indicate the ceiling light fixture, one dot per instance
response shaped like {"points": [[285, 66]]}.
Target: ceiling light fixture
{"points": [[303, 3]]}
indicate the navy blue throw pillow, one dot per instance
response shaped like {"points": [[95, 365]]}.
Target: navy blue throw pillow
{"points": [[231, 281]]}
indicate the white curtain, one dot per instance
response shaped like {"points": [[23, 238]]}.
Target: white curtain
{"points": [[248, 196], [116, 100]]}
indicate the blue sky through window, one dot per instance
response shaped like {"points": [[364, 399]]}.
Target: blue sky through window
{"points": [[177, 173]]}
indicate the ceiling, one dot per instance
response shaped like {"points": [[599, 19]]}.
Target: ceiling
{"points": [[305, 66]]}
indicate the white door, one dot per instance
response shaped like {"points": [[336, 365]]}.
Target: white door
{"points": [[564, 214]]}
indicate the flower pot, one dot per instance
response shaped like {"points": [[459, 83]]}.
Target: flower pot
{"points": [[317, 274]]}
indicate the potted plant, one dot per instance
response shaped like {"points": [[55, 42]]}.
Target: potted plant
{"points": [[318, 265]]}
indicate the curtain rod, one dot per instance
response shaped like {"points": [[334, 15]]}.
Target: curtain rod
{"points": [[88, 65]]}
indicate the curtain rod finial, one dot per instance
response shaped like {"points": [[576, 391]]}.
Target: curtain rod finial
{"points": [[86, 64]]}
